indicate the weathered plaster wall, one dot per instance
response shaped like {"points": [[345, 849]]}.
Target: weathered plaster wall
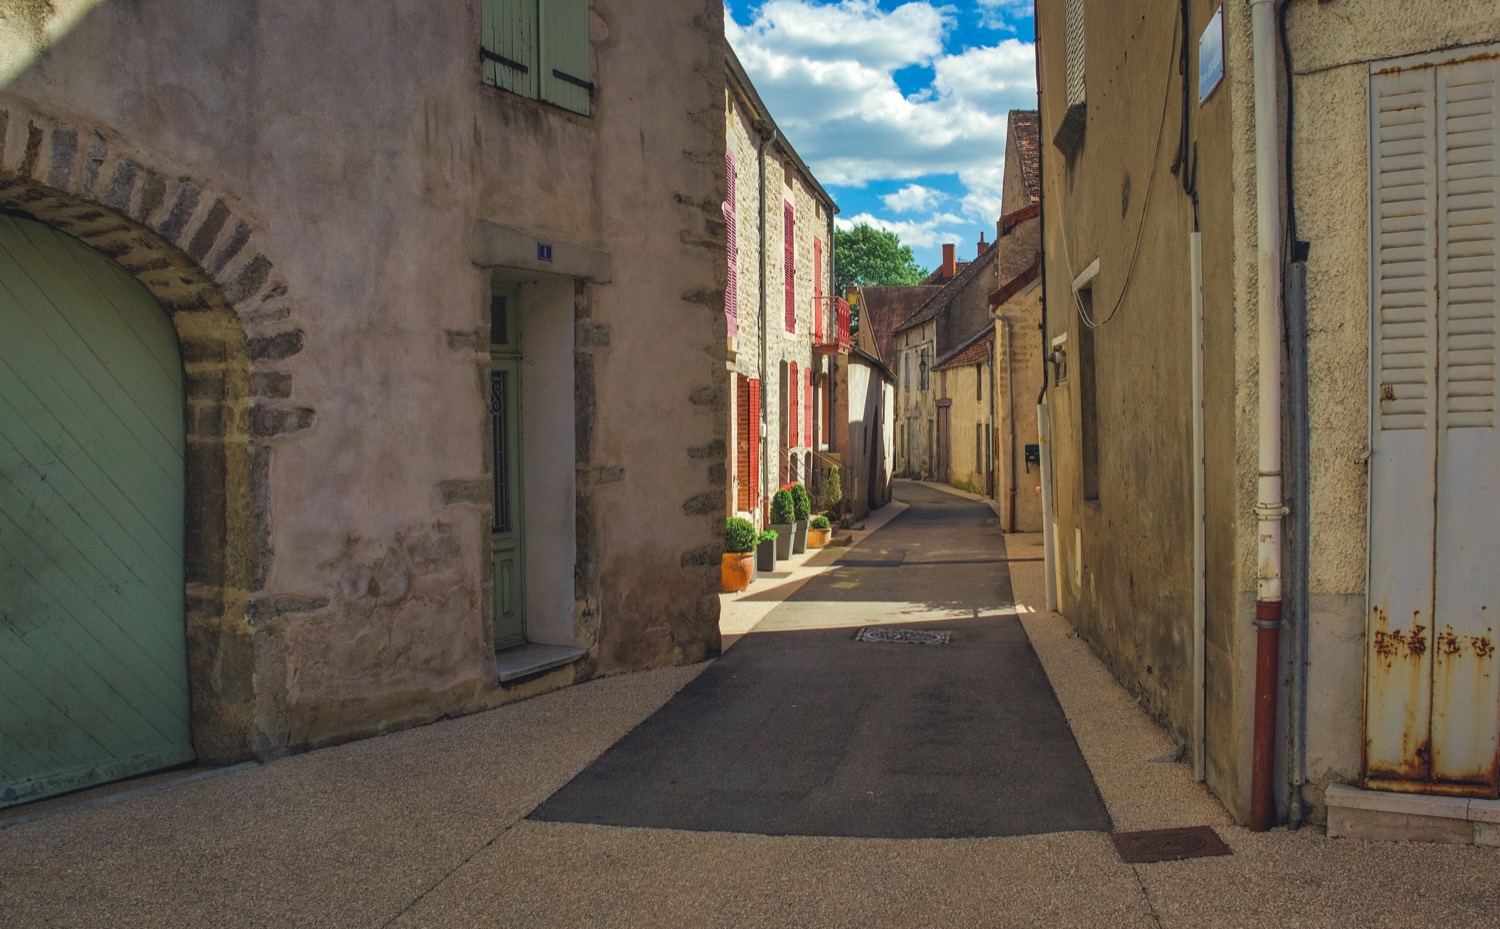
{"points": [[1332, 50], [1016, 390], [1125, 561], [916, 413], [359, 150], [966, 411]]}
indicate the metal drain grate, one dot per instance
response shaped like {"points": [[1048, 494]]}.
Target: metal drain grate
{"points": [[1169, 844], [903, 636]]}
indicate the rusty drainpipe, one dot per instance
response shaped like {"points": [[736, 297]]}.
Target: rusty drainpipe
{"points": [[1269, 507]]}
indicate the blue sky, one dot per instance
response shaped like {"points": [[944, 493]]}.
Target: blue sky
{"points": [[898, 107]]}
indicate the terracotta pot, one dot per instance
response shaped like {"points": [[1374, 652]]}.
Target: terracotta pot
{"points": [[737, 570], [817, 538]]}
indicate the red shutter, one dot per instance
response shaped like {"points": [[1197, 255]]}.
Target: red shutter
{"points": [[789, 236], [742, 425], [731, 285], [791, 406], [817, 270], [807, 409], [754, 443]]}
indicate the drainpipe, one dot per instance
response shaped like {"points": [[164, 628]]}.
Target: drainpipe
{"points": [[1269, 508], [1200, 555], [1010, 414], [765, 455]]}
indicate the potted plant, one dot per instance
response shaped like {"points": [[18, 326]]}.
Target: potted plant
{"points": [[802, 507], [783, 515], [833, 494], [818, 531], [737, 566], [765, 551]]}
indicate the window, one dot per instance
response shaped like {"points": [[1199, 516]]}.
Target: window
{"points": [[1088, 397], [922, 369], [979, 383], [979, 448], [731, 281], [789, 264], [538, 49], [1069, 135]]}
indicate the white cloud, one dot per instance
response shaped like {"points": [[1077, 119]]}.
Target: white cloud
{"points": [[918, 233], [827, 73], [997, 14], [911, 198]]}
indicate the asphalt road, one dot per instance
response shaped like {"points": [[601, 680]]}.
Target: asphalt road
{"points": [[804, 729]]}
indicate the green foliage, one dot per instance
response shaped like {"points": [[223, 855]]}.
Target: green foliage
{"points": [[872, 257], [819, 522], [739, 535], [801, 502], [767, 536], [833, 491], [783, 510]]}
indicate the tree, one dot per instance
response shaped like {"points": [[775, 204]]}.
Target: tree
{"points": [[872, 257]]}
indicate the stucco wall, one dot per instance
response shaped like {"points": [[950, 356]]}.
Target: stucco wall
{"points": [[1018, 379], [360, 151], [1332, 51], [1124, 562], [916, 411], [967, 409]]}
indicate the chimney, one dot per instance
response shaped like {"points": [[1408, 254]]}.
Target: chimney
{"points": [[950, 262], [982, 245]]}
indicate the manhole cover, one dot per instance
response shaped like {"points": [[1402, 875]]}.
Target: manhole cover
{"points": [[1169, 844], [903, 636]]}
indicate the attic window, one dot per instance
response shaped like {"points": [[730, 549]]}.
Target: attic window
{"points": [[1069, 134]]}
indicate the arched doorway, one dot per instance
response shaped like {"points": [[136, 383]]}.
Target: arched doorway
{"points": [[93, 653]]}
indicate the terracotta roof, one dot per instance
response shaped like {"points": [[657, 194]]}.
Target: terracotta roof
{"points": [[975, 349], [1024, 131], [856, 352], [938, 301], [1016, 284], [883, 308]]}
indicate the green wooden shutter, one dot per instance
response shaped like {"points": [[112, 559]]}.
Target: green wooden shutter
{"points": [[509, 36], [93, 663], [565, 54]]}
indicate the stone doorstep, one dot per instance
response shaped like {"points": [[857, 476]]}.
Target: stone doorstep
{"points": [[1385, 815], [526, 660]]}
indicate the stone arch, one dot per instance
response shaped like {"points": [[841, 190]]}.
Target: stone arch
{"points": [[196, 252]]}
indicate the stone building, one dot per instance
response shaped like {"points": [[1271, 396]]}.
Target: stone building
{"points": [[362, 367], [1271, 395], [787, 331], [1019, 371], [947, 319], [965, 403]]}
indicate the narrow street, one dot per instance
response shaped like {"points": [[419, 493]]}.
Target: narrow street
{"points": [[803, 779]]}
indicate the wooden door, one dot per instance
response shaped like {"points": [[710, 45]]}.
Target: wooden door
{"points": [[944, 446], [93, 657], [506, 524]]}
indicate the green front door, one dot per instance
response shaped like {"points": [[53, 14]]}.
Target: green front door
{"points": [[505, 422], [93, 664]]}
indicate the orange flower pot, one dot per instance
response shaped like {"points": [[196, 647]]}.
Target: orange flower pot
{"points": [[737, 570], [817, 538]]}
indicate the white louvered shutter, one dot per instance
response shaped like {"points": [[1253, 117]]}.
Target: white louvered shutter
{"points": [[1075, 52], [1403, 174], [1466, 685]]}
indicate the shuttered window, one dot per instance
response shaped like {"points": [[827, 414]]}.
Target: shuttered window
{"points": [[807, 411], [1075, 52], [1433, 711], [789, 264], [755, 417], [792, 385], [539, 49], [731, 283], [742, 426]]}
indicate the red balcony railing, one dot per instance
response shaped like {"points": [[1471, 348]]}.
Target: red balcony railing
{"points": [[831, 330]]}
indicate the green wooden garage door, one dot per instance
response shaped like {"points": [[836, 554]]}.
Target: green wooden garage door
{"points": [[93, 665]]}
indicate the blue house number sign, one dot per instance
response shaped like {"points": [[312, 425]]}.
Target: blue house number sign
{"points": [[543, 251]]}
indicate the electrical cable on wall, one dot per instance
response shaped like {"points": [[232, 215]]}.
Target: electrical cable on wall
{"points": [[1083, 314]]}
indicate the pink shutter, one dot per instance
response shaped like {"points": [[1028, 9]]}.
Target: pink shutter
{"points": [[732, 283], [789, 235], [793, 386], [807, 410]]}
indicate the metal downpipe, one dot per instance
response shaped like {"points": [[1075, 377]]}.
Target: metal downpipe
{"points": [[1269, 507]]}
